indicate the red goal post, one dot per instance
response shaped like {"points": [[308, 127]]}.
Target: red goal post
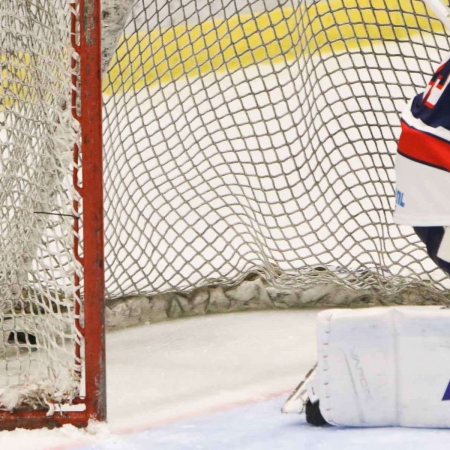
{"points": [[58, 321], [93, 259]]}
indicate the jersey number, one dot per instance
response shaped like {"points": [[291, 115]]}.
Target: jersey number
{"points": [[435, 89]]}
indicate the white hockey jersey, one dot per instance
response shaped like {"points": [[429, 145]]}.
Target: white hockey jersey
{"points": [[423, 159]]}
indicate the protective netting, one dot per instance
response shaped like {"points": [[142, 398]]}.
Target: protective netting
{"points": [[260, 137], [38, 362]]}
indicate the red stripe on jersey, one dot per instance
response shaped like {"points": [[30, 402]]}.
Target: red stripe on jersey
{"points": [[424, 148]]}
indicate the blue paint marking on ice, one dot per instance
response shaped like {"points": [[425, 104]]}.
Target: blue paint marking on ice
{"points": [[261, 426]]}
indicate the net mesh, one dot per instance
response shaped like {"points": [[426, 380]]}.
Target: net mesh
{"points": [[260, 137], [38, 363]]}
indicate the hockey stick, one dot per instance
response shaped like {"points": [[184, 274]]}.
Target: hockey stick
{"points": [[296, 401], [440, 10]]}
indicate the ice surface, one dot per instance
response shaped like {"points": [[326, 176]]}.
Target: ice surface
{"points": [[261, 427], [178, 369], [187, 368], [214, 382]]}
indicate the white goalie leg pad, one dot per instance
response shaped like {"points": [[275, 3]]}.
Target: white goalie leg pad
{"points": [[384, 367]]}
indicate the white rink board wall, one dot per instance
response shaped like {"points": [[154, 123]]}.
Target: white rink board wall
{"points": [[261, 139]]}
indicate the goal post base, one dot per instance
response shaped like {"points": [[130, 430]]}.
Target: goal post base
{"points": [[38, 419]]}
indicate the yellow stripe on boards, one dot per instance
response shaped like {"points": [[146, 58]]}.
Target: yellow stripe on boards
{"points": [[278, 36], [17, 84], [342, 25], [220, 45], [216, 45]]}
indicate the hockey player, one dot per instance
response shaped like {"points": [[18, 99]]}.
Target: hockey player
{"points": [[423, 177], [423, 167]]}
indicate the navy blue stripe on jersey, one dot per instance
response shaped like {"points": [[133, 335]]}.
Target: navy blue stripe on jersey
{"points": [[432, 107], [432, 237]]}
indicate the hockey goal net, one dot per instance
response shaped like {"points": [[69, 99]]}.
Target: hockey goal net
{"points": [[257, 139], [247, 139], [51, 279]]}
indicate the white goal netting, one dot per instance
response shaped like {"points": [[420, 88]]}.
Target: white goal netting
{"points": [[39, 366], [259, 137]]}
